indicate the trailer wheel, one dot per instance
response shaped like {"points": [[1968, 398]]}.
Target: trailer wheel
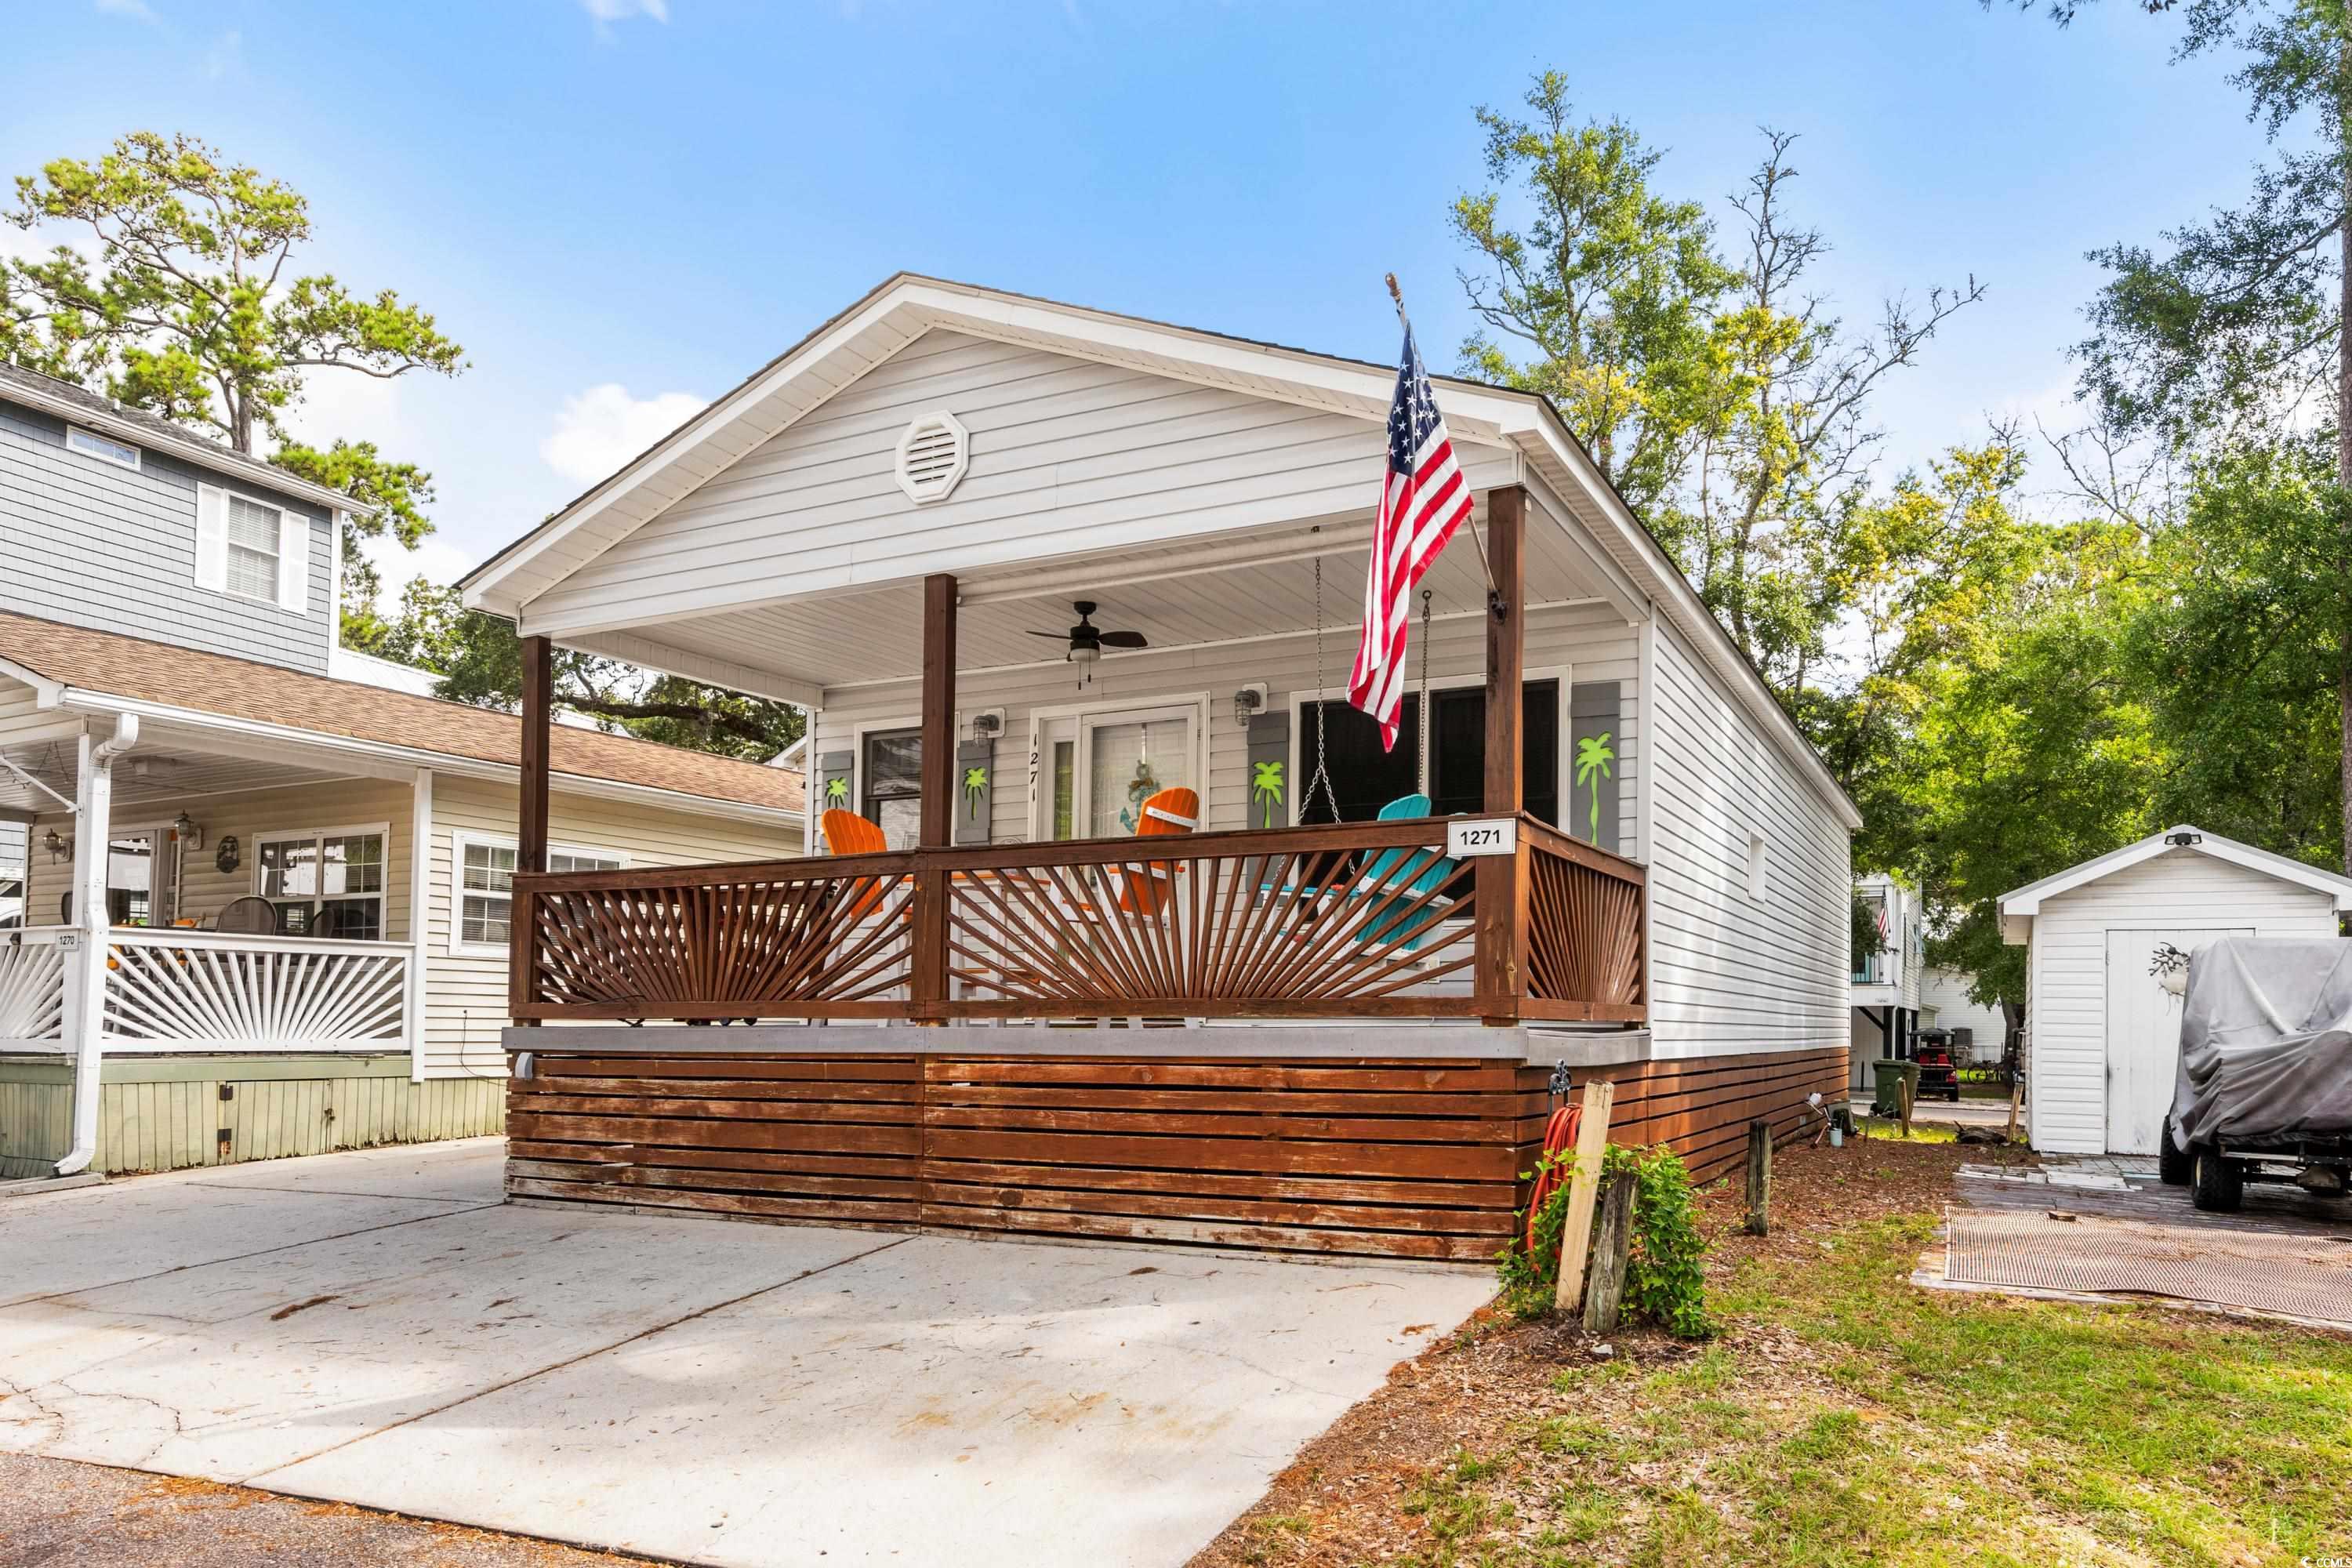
{"points": [[2217, 1185], [2172, 1165]]}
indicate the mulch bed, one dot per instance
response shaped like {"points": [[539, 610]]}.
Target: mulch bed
{"points": [[1343, 1499]]}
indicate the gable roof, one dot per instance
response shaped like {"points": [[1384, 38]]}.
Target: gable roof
{"points": [[110, 665], [906, 305], [95, 411], [2028, 900]]}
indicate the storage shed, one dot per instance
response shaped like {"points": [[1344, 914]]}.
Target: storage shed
{"points": [[2102, 1034]]}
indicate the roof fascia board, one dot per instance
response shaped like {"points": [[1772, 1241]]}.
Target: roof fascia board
{"points": [[47, 693], [381, 760], [2028, 901], [192, 450]]}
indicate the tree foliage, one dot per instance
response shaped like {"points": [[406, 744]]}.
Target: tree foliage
{"points": [[178, 295], [1725, 400]]}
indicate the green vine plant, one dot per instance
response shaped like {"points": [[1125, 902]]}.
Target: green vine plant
{"points": [[1664, 1283]]}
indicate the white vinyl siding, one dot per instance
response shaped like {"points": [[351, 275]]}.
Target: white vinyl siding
{"points": [[1731, 973], [2066, 978], [1064, 455], [1588, 639]]}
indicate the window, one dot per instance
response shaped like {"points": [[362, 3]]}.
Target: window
{"points": [[253, 536], [327, 884], [486, 887], [890, 785], [104, 448], [1366, 778], [1457, 749]]}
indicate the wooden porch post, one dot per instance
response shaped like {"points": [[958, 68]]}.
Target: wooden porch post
{"points": [[1501, 896], [531, 827], [938, 829]]}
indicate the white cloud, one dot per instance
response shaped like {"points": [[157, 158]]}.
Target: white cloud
{"points": [[603, 427], [225, 58], [607, 12], [136, 10]]}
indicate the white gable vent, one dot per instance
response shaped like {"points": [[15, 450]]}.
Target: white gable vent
{"points": [[932, 456]]}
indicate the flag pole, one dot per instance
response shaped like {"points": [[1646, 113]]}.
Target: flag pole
{"points": [[1494, 593]]}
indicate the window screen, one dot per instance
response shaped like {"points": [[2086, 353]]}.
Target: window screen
{"points": [[1364, 777], [252, 549]]}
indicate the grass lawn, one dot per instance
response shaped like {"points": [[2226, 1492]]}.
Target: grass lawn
{"points": [[1841, 1416]]}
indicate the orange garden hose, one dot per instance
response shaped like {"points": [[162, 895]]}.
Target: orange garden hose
{"points": [[1559, 1140]]}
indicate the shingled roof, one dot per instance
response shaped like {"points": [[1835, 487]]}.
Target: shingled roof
{"points": [[109, 663]]}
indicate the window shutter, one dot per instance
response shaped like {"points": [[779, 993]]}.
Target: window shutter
{"points": [[212, 539], [294, 562]]}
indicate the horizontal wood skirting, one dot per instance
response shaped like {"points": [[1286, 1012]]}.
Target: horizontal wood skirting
{"points": [[1385, 1156]]}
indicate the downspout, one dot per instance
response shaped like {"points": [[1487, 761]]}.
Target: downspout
{"points": [[86, 996]]}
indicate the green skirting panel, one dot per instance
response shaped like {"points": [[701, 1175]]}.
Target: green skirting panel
{"points": [[160, 1113]]}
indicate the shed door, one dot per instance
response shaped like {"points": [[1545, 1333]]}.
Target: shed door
{"points": [[2143, 1035]]}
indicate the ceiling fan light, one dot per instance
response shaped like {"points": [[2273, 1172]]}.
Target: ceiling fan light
{"points": [[1085, 653]]}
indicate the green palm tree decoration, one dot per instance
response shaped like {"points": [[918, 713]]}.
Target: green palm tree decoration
{"points": [[1593, 762], [975, 780], [1266, 785], [837, 791]]}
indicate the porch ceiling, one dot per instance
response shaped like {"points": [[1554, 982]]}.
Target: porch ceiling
{"points": [[1177, 597], [153, 776]]}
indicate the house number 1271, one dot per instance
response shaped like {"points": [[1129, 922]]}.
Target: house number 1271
{"points": [[1466, 839]]}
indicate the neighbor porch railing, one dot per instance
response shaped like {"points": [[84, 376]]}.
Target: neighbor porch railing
{"points": [[33, 988], [170, 990], [1357, 920]]}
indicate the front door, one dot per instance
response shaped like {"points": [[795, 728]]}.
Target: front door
{"points": [[2143, 1035]]}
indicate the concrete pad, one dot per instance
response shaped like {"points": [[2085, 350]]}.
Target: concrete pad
{"points": [[130, 1229], [979, 1401], [226, 1370], [465, 1169]]}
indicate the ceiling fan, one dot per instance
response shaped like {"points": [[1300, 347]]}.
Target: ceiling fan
{"points": [[1088, 640]]}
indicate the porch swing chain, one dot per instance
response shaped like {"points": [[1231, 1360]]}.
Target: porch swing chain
{"points": [[1322, 774], [1421, 762]]}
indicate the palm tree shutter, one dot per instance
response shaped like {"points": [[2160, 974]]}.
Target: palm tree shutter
{"points": [[1595, 745], [1269, 769], [832, 783], [975, 790]]}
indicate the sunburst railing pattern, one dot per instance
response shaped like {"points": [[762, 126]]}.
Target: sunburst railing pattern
{"points": [[185, 990], [31, 987]]}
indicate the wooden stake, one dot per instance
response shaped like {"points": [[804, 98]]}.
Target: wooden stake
{"points": [[1613, 1251], [2016, 1097], [1759, 1178], [1583, 1187], [1903, 1101]]}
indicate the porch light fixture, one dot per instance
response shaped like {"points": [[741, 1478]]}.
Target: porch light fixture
{"points": [[988, 725], [57, 845], [184, 828], [2183, 840], [1249, 702]]}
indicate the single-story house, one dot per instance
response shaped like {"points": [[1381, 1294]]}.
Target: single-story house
{"points": [[1047, 575], [2101, 1032], [299, 891], [1978, 1032]]}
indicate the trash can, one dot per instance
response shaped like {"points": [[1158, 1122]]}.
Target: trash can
{"points": [[1888, 1073]]}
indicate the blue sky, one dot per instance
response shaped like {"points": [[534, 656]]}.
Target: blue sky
{"points": [[623, 206]]}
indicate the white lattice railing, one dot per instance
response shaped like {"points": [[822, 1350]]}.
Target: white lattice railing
{"points": [[32, 989], [170, 990]]}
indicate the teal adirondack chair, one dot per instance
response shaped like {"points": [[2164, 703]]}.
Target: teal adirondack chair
{"points": [[1398, 879]]}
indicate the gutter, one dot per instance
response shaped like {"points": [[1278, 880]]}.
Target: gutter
{"points": [[89, 975]]}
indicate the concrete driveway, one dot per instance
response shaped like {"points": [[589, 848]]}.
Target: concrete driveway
{"points": [[378, 1328]]}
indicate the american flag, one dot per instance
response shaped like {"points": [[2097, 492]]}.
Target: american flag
{"points": [[1424, 499]]}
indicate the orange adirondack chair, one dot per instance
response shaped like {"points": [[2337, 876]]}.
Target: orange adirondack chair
{"points": [[1172, 811], [846, 833]]}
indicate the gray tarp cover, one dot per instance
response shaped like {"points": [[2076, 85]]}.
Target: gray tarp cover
{"points": [[2265, 1042]]}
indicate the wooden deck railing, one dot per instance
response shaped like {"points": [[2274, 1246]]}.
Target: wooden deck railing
{"points": [[1356, 920]]}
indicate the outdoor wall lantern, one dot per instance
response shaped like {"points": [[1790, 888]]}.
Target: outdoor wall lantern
{"points": [[185, 830], [57, 845], [988, 725], [1249, 702]]}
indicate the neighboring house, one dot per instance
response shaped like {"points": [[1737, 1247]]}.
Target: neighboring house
{"points": [[1944, 1005], [2102, 1034], [1886, 995], [291, 932], [898, 523]]}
